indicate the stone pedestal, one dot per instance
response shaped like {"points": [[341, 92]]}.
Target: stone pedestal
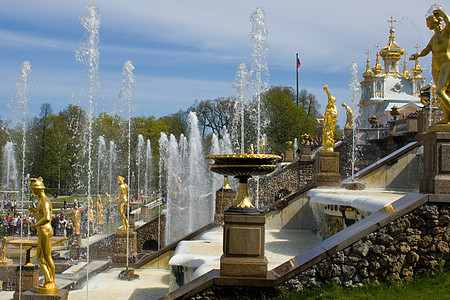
{"points": [[436, 163], [120, 246], [30, 278], [305, 152], [289, 156], [62, 294], [224, 199], [244, 246], [144, 212], [328, 168]]}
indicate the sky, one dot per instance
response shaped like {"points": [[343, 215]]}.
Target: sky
{"points": [[184, 51]]}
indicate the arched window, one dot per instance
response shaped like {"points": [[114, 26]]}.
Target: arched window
{"points": [[378, 86]]}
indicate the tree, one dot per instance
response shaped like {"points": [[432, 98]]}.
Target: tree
{"points": [[214, 115], [286, 120], [309, 103]]}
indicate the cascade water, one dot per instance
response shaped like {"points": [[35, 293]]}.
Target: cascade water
{"points": [[163, 158]]}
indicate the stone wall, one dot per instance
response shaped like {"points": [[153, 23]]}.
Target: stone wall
{"points": [[415, 244], [149, 232], [282, 182]]}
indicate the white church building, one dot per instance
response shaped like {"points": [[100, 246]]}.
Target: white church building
{"points": [[385, 86]]}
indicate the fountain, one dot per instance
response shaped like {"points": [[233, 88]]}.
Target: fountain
{"points": [[9, 182]]}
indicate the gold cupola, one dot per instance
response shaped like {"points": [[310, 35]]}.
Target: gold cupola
{"points": [[417, 69], [405, 73], [392, 52], [377, 69], [368, 73]]}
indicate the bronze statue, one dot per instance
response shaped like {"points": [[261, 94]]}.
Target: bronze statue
{"points": [[329, 122], [349, 120], [77, 220], [99, 210], [439, 46], [44, 229], [122, 200]]}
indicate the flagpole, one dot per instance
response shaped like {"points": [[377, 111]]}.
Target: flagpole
{"points": [[296, 64]]}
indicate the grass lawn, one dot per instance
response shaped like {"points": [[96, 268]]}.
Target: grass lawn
{"points": [[424, 287]]}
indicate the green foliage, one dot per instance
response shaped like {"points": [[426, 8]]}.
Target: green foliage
{"points": [[286, 120]]}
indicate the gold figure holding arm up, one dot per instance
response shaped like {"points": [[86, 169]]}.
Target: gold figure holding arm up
{"points": [[44, 229], [349, 120], [122, 200], [439, 46], [329, 122], [99, 210]]}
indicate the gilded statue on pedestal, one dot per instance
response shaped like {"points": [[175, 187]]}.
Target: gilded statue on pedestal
{"points": [[349, 120], [439, 47], [122, 200], [329, 122], [77, 220], [99, 210], [44, 229]]}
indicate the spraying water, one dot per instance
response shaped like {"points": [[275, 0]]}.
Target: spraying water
{"points": [[258, 60], [241, 83], [10, 172], [101, 161], [356, 95], [163, 159], [139, 160], [125, 94], [22, 99], [88, 54], [148, 167], [112, 159]]}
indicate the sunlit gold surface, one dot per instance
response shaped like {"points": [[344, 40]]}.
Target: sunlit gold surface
{"points": [[243, 166], [99, 210], [226, 185], [349, 120], [242, 199], [44, 229], [122, 200], [77, 220], [329, 122], [439, 46]]}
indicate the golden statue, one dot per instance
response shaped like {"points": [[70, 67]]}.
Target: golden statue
{"points": [[91, 211], [289, 144], [306, 139], [99, 210], [3, 250], [77, 220], [262, 145], [328, 122], [44, 229], [122, 200], [439, 46], [349, 120]]}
